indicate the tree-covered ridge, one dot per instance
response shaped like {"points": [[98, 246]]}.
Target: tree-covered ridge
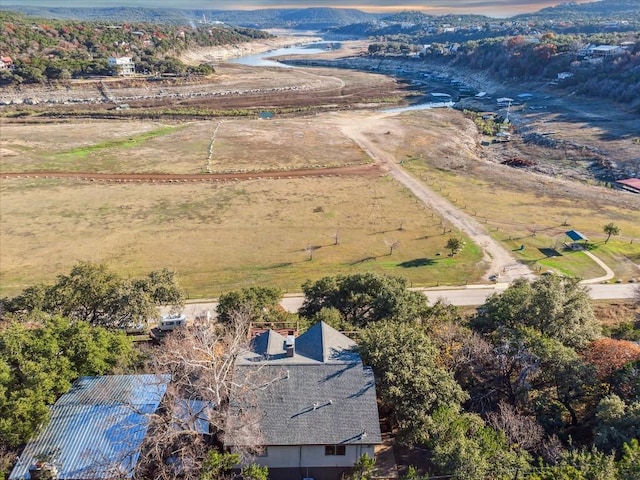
{"points": [[297, 18], [58, 49], [624, 10], [536, 57]]}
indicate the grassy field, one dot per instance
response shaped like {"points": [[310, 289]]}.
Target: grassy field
{"points": [[224, 236], [528, 217], [150, 147]]}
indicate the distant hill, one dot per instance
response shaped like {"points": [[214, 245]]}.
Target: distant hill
{"points": [[293, 18], [608, 9]]}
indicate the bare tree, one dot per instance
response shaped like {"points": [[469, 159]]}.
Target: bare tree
{"points": [[194, 416], [521, 430], [310, 249], [392, 244]]}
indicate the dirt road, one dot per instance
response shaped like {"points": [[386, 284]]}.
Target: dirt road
{"points": [[371, 169], [497, 260]]}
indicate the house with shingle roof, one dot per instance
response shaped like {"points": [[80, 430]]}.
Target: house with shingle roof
{"points": [[317, 405]]}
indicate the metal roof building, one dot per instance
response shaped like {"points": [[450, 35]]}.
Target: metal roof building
{"points": [[630, 184], [96, 429], [575, 235]]}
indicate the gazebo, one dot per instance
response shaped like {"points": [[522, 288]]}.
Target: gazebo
{"points": [[576, 237]]}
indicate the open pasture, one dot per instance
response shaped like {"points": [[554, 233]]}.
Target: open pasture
{"points": [[219, 145], [227, 235], [521, 208]]}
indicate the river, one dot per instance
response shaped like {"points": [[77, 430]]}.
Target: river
{"points": [[264, 60]]}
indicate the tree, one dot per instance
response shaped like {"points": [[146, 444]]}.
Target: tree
{"points": [[611, 229], [535, 374], [39, 364], [409, 379], [363, 468], [523, 431], [609, 355], [626, 382], [201, 362], [392, 244], [261, 304], [557, 307], [217, 464], [577, 464], [463, 446], [254, 472], [363, 297], [93, 293], [629, 464], [454, 244], [617, 423]]}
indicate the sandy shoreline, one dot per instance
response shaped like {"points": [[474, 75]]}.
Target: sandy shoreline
{"points": [[225, 52]]}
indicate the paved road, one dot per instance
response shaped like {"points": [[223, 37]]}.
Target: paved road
{"points": [[609, 274], [463, 296]]}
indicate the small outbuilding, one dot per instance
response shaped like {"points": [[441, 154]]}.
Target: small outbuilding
{"points": [[576, 236], [629, 184]]}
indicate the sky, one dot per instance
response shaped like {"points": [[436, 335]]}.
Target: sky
{"points": [[494, 8]]}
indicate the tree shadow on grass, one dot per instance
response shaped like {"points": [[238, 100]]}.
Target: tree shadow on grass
{"points": [[279, 265], [417, 262], [363, 260]]}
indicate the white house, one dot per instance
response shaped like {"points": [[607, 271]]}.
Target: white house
{"points": [[6, 63], [318, 413], [122, 65]]}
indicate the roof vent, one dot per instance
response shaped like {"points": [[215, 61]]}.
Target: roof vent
{"points": [[42, 471], [290, 344]]}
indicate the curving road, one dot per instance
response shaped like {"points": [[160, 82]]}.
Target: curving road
{"points": [[609, 274]]}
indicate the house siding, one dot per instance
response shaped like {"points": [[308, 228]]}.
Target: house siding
{"points": [[308, 456]]}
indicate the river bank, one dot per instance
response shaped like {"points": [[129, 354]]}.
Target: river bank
{"points": [[225, 52]]}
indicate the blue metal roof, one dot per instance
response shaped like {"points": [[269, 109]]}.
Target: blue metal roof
{"points": [[96, 429], [575, 235]]}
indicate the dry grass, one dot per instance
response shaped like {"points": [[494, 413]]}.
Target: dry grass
{"points": [[519, 217], [522, 208], [150, 147], [612, 313], [225, 236]]}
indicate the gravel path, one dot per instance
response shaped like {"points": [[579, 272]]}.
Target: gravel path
{"points": [[497, 260]]}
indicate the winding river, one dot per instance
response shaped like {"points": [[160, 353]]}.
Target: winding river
{"points": [[264, 59]]}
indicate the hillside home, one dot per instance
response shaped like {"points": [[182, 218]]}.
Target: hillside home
{"points": [[318, 410], [600, 51], [6, 63], [122, 65]]}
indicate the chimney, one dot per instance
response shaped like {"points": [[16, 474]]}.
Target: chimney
{"points": [[290, 345]]}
